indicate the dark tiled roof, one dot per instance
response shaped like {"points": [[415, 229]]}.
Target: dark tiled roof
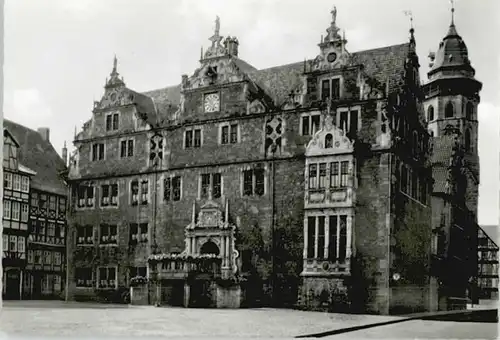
{"points": [[40, 156], [382, 64], [441, 156]]}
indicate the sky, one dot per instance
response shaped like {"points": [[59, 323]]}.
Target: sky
{"points": [[58, 53]]}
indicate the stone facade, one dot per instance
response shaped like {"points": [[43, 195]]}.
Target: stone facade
{"points": [[306, 184]]}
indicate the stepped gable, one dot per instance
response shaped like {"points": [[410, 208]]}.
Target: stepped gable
{"points": [[40, 156]]}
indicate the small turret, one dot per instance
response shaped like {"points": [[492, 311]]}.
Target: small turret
{"points": [[65, 154]]}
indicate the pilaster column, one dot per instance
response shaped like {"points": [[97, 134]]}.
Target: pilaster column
{"points": [[349, 236], [327, 235], [223, 250], [228, 252], [190, 245], [305, 238], [316, 232]]}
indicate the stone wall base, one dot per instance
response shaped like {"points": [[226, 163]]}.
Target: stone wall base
{"points": [[325, 294], [139, 295], [229, 297]]}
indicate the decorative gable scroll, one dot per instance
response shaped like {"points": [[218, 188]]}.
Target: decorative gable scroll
{"points": [[330, 140]]}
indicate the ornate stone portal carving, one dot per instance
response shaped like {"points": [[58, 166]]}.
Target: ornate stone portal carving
{"points": [[210, 226]]}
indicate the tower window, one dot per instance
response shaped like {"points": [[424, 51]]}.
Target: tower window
{"points": [[430, 113], [469, 111], [467, 140], [449, 110]]}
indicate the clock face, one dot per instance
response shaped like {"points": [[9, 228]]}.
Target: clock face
{"points": [[332, 57], [212, 102]]}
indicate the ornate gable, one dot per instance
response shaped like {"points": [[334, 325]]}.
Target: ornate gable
{"points": [[330, 140]]}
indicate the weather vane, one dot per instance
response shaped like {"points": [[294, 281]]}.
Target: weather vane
{"points": [[410, 14]]}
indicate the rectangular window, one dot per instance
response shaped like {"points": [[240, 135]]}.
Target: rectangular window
{"points": [[38, 257], [25, 184], [205, 185], [134, 190], [13, 243], [109, 122], [114, 194], [225, 135], [322, 175], [97, 152], [259, 181], [342, 238], [172, 188], [344, 120], [335, 88], [305, 126], [21, 244], [325, 89], [7, 209], [344, 173], [138, 233], [144, 192], [353, 124], [109, 195], [41, 228], [52, 203], [321, 237], [332, 245], [189, 139], [85, 196], [16, 210], [197, 138], [108, 234], [216, 186], [311, 230], [5, 242], [310, 124], [253, 182], [234, 133], [7, 180], [83, 277], [85, 235], [313, 176], [126, 148], [334, 175], [43, 201], [47, 257], [104, 195], [115, 121], [107, 277], [51, 229], [17, 182], [24, 212]]}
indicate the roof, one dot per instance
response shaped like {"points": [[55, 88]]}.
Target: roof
{"points": [[491, 231], [384, 64], [39, 156]]}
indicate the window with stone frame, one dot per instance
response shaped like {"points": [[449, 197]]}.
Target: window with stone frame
{"points": [[449, 110], [229, 134], [21, 244], [47, 257], [85, 196], [16, 210], [112, 122], [85, 235], [330, 89], [51, 229], [126, 148], [337, 238], [137, 272], [313, 176], [107, 277], [59, 231], [253, 182], [97, 152], [192, 138], [108, 234], [83, 277], [7, 180], [138, 233], [322, 175], [38, 257], [109, 195], [211, 183], [344, 173], [134, 192], [172, 188], [57, 258], [310, 124], [144, 192]]}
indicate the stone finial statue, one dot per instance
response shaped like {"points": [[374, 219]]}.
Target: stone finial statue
{"points": [[334, 14]]}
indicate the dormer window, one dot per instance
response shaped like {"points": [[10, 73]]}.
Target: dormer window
{"points": [[330, 88]]}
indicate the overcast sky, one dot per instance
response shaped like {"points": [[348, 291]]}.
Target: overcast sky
{"points": [[58, 53]]}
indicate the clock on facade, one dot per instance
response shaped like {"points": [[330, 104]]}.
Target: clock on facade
{"points": [[332, 57], [212, 102]]}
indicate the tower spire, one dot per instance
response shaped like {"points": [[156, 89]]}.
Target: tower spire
{"points": [[115, 63], [452, 12]]}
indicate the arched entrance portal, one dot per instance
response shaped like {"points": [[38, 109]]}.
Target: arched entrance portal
{"points": [[209, 247]]}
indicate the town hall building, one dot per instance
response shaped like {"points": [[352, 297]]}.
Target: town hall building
{"points": [[339, 183]]}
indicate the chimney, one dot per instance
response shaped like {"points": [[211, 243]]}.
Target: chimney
{"points": [[65, 154], [232, 46], [45, 133]]}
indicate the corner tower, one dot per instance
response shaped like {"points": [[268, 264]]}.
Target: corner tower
{"points": [[451, 100]]}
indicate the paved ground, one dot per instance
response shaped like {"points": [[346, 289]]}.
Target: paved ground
{"points": [[78, 319], [51, 319]]}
